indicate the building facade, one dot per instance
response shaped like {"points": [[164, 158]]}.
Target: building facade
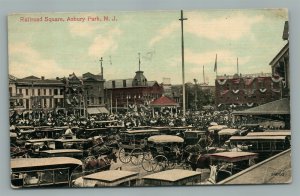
{"points": [[33, 93], [246, 90], [131, 93], [280, 64]]}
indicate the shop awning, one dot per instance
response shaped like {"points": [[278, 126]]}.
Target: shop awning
{"points": [[97, 110]]}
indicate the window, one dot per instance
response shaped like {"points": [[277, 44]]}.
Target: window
{"points": [[55, 92], [32, 91], [124, 83], [113, 83], [20, 91], [39, 91], [45, 92], [61, 91], [26, 91], [10, 91]]}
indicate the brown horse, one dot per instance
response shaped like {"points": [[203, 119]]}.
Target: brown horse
{"points": [[101, 163], [201, 161]]}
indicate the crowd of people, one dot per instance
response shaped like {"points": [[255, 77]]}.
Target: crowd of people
{"points": [[129, 119]]}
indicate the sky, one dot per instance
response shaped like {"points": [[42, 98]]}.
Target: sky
{"points": [[40, 47]]}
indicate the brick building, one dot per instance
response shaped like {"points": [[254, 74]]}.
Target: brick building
{"points": [[131, 93], [246, 90]]}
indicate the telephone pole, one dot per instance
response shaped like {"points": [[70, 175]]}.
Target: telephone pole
{"points": [[182, 60]]}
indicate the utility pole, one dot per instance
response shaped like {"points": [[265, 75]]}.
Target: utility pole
{"points": [[182, 60], [101, 67], [237, 65], [203, 75]]}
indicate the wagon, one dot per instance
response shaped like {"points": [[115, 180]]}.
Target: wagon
{"points": [[265, 145], [36, 144], [132, 145], [71, 143], [91, 132], [193, 137], [75, 153], [107, 179], [166, 152], [175, 177], [43, 172], [225, 134], [225, 164]]}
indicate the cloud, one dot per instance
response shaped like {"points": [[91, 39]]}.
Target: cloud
{"points": [[84, 29], [165, 32], [231, 27], [208, 58], [23, 59], [194, 62], [103, 43]]}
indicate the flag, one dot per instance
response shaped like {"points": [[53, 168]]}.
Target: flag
{"points": [[216, 67]]}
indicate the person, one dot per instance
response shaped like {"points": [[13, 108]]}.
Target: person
{"points": [[44, 146], [69, 132]]}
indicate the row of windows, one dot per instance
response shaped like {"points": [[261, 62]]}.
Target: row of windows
{"points": [[41, 91]]}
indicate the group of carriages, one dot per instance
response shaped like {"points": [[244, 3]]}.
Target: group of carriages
{"points": [[223, 150]]}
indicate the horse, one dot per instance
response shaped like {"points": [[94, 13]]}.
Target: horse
{"points": [[217, 174], [201, 161], [101, 163]]}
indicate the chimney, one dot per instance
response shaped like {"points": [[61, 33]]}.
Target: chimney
{"points": [[57, 78], [43, 77]]}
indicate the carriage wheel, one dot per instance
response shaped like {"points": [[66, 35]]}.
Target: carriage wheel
{"points": [[172, 164], [148, 164], [124, 156], [137, 156], [160, 163]]}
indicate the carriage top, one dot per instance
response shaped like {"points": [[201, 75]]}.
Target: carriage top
{"points": [[142, 132], [269, 133], [165, 139], [111, 175], [233, 156], [174, 175], [257, 137], [40, 140], [23, 163], [217, 127], [61, 151], [228, 132]]}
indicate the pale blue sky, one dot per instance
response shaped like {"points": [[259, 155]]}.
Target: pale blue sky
{"points": [[60, 48]]}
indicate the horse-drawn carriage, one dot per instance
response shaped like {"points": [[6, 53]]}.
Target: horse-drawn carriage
{"points": [[225, 164], [132, 145], [264, 143], [165, 152], [43, 172]]}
